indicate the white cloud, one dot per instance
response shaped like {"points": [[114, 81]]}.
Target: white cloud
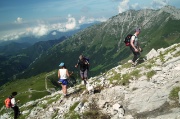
{"points": [[57, 26], [102, 19], [84, 20], [126, 5], [71, 24], [159, 3], [19, 20], [54, 33], [12, 36], [135, 6], [40, 30], [123, 6]]}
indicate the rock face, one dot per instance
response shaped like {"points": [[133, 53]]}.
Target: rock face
{"points": [[151, 54], [145, 93]]}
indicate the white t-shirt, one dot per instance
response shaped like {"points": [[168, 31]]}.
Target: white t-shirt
{"points": [[135, 38], [13, 102], [63, 73]]}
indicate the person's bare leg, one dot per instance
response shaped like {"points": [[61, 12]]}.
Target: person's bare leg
{"points": [[64, 90]]}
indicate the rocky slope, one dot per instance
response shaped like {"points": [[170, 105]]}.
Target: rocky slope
{"points": [[147, 91]]}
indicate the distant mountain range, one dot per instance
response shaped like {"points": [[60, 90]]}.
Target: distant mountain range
{"points": [[103, 43], [16, 58], [17, 55], [32, 39]]}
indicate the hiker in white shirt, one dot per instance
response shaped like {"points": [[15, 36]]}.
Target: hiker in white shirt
{"points": [[134, 46], [14, 105], [63, 74]]}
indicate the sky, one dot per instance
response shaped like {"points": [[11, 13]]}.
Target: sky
{"points": [[20, 18]]}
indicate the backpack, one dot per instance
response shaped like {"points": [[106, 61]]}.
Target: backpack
{"points": [[127, 39], [86, 62], [87, 59], [7, 102]]}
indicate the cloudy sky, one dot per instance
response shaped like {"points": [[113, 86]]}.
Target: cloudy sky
{"points": [[19, 18]]}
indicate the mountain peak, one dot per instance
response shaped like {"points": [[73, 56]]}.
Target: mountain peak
{"points": [[172, 10]]}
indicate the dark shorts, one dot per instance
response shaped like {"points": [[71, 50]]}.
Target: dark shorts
{"points": [[63, 81], [83, 74]]}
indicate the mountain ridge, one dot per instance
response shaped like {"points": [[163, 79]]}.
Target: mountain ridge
{"points": [[105, 41]]}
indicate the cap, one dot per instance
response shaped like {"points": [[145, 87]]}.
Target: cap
{"points": [[14, 93], [61, 64], [137, 30]]}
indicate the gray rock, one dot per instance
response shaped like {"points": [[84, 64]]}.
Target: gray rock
{"points": [[151, 54]]}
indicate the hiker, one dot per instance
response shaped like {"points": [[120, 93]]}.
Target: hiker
{"points": [[14, 105], [134, 46], [63, 74], [84, 67]]}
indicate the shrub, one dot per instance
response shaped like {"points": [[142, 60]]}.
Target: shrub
{"points": [[135, 73], [116, 76], [150, 74], [148, 66], [126, 65], [73, 106], [72, 114], [174, 93], [125, 79], [177, 54], [94, 113]]}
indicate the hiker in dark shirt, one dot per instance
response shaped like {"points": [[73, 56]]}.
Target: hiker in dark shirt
{"points": [[83, 63], [134, 46]]}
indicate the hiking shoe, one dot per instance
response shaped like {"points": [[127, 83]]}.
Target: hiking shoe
{"points": [[133, 64], [82, 82], [85, 82], [65, 95], [60, 101]]}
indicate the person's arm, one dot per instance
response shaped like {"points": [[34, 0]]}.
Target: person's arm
{"points": [[140, 49], [58, 74], [132, 43], [77, 64], [67, 73], [88, 63]]}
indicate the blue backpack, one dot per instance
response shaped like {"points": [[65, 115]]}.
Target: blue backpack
{"points": [[87, 59]]}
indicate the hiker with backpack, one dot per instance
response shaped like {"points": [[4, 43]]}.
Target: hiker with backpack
{"points": [[10, 102], [63, 75], [134, 46], [83, 63]]}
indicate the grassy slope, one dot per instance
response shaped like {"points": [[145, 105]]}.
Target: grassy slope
{"points": [[34, 87], [162, 37], [23, 87]]}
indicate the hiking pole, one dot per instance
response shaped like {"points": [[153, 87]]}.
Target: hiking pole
{"points": [[77, 78], [69, 79]]}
